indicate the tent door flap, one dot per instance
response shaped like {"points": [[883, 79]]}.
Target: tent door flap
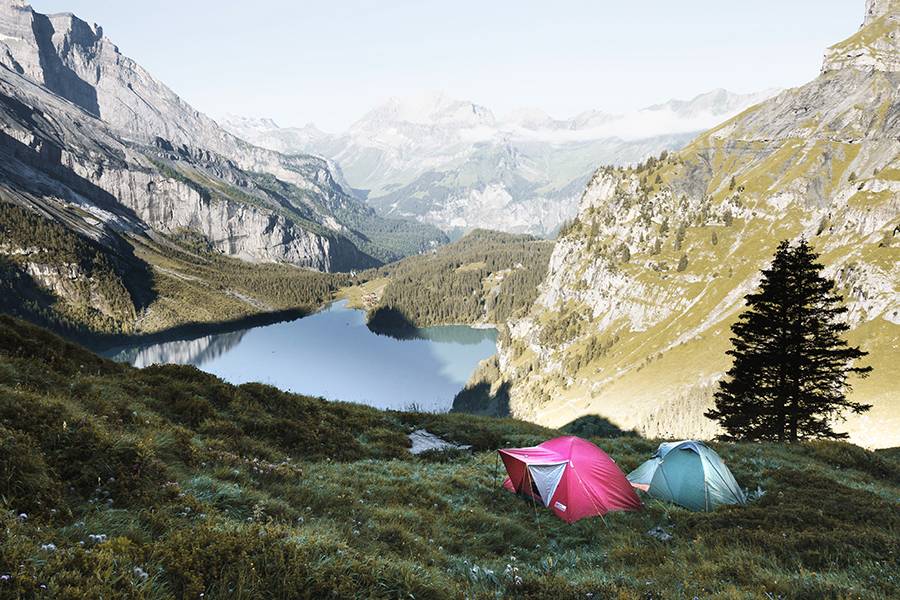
{"points": [[546, 479]]}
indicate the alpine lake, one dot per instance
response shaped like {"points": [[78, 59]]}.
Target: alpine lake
{"points": [[334, 354]]}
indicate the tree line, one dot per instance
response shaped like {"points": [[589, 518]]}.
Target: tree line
{"points": [[485, 276]]}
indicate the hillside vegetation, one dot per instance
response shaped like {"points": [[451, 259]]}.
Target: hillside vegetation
{"points": [[88, 289], [195, 283], [632, 320], [137, 284], [52, 275], [166, 482], [485, 277]]}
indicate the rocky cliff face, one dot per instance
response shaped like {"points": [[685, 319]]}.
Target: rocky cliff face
{"points": [[90, 114], [875, 46], [74, 60], [100, 181], [879, 8], [632, 321]]}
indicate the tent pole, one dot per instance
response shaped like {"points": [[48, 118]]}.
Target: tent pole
{"points": [[533, 503]]}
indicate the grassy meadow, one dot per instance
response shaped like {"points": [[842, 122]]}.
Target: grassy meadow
{"points": [[166, 482]]}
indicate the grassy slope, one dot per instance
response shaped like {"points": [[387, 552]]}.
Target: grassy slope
{"points": [[249, 492], [142, 285], [649, 366], [195, 284]]}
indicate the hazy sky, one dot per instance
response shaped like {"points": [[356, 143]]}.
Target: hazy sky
{"points": [[329, 61]]}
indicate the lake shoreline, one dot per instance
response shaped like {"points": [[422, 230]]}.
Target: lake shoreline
{"points": [[331, 353], [107, 344]]}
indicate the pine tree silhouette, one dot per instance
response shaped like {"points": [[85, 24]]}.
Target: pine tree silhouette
{"points": [[788, 381]]}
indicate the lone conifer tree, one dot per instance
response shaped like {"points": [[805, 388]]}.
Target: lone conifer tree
{"points": [[789, 377]]}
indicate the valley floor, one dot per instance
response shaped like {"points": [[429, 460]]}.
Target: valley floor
{"points": [[166, 482]]}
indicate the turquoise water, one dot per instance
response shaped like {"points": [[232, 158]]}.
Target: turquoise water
{"points": [[334, 355]]}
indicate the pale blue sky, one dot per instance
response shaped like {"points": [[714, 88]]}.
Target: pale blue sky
{"points": [[330, 61]]}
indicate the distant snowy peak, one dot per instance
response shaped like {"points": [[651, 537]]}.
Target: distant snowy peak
{"points": [[252, 126], [431, 109], [436, 117], [437, 111], [531, 118], [672, 117], [265, 132], [249, 123], [592, 118], [716, 103]]}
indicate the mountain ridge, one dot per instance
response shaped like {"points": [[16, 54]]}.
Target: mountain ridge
{"points": [[109, 159], [75, 61], [652, 272], [446, 162]]}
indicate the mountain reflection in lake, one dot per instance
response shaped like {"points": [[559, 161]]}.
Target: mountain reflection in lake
{"points": [[197, 351], [333, 354]]}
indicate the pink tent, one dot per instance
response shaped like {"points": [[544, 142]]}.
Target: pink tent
{"points": [[571, 476]]}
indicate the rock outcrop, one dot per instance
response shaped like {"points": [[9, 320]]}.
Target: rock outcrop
{"points": [[875, 46], [123, 186], [879, 8], [632, 321]]}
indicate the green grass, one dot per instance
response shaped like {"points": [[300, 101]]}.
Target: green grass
{"points": [[195, 284], [166, 482]]}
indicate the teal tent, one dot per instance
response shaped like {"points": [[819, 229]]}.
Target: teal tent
{"points": [[688, 473]]}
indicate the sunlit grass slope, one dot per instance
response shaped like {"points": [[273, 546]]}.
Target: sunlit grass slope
{"points": [[166, 482]]}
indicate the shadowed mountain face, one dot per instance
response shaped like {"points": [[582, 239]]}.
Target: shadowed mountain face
{"points": [[196, 351], [632, 321], [105, 157]]}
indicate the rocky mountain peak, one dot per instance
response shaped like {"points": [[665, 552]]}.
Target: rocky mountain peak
{"points": [[652, 272], [241, 122], [879, 8], [431, 109], [19, 22], [876, 46], [75, 30], [59, 51]]}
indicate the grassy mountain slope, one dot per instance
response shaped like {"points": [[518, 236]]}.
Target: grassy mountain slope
{"points": [[195, 284], [166, 482], [632, 322], [138, 284]]}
